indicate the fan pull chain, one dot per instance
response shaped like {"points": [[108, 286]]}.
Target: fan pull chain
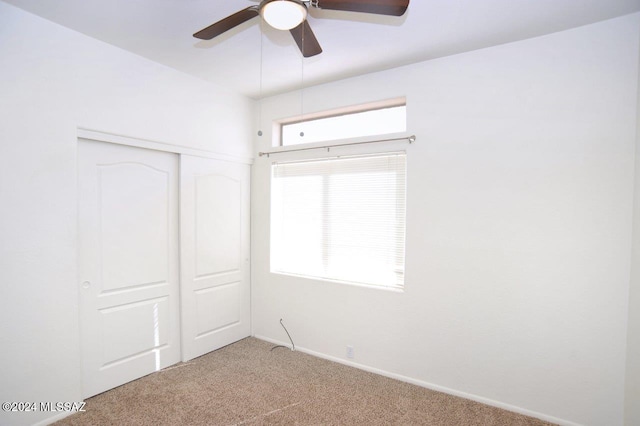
{"points": [[302, 78], [260, 79]]}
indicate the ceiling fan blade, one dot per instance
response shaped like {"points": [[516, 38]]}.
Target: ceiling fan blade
{"points": [[306, 39], [227, 23], [379, 7]]}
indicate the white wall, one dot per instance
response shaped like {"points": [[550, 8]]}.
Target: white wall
{"points": [[632, 395], [520, 194], [53, 80]]}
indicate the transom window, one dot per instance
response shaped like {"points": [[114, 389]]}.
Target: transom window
{"points": [[366, 120]]}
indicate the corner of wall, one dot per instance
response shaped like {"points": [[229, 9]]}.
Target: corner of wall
{"points": [[632, 375]]}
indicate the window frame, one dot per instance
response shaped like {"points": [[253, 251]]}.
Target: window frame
{"points": [[278, 125]]}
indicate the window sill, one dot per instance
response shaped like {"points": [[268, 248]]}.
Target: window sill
{"points": [[349, 283]]}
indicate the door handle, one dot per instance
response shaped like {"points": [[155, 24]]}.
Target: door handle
{"points": [[86, 284]]}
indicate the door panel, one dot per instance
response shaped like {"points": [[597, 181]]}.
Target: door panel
{"points": [[130, 234], [128, 263], [218, 236], [121, 340], [214, 254], [218, 307]]}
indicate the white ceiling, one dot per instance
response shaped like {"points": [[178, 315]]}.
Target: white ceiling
{"points": [[353, 43]]}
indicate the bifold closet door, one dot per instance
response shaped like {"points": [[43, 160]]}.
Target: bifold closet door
{"points": [[214, 261], [128, 263]]}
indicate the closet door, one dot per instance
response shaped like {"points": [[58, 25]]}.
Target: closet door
{"points": [[128, 263], [214, 261]]}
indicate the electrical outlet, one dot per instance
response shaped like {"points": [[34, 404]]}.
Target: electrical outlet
{"points": [[350, 352]]}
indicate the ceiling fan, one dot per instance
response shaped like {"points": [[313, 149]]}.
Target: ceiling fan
{"points": [[292, 15]]}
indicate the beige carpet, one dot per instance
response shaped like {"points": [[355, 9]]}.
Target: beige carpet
{"points": [[247, 384]]}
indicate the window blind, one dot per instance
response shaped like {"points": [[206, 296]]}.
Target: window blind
{"points": [[340, 219]]}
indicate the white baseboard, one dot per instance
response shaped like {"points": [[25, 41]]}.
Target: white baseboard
{"points": [[428, 385], [54, 418]]}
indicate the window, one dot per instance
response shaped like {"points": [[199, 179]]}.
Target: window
{"points": [[368, 120], [340, 219]]}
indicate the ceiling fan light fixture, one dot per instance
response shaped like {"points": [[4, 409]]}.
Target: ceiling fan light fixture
{"points": [[284, 14]]}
